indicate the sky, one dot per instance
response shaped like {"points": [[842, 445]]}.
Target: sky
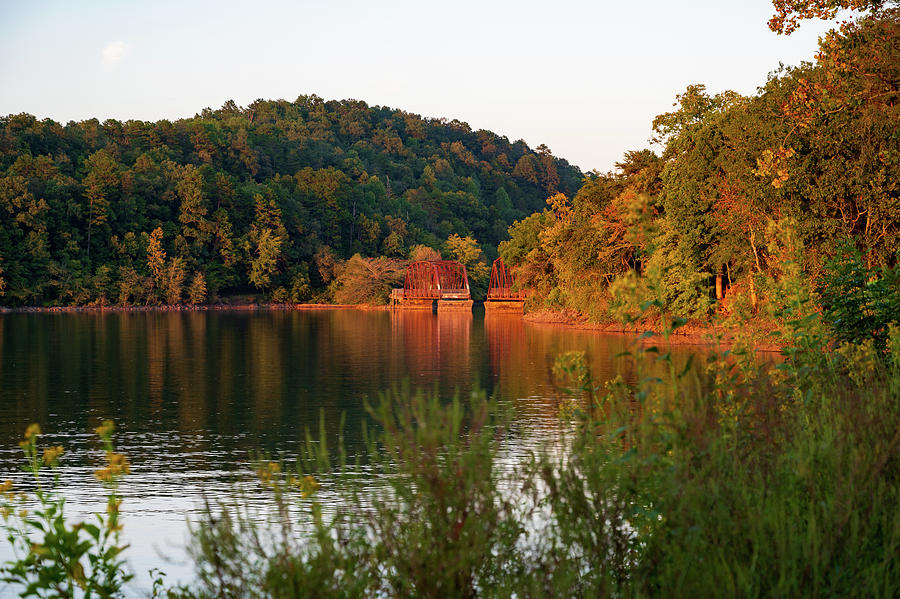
{"points": [[584, 78]]}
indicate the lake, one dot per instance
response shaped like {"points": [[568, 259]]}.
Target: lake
{"points": [[193, 394]]}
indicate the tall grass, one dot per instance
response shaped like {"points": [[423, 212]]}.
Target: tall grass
{"points": [[734, 479]]}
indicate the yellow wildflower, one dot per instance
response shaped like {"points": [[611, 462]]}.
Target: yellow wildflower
{"points": [[23, 514], [5, 512], [118, 460], [267, 473], [308, 486], [106, 429], [118, 465], [51, 454], [6, 486], [32, 431]]}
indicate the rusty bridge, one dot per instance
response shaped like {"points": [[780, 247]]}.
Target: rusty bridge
{"points": [[426, 281], [447, 283], [501, 297]]}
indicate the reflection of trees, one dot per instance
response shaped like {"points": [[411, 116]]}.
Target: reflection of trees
{"points": [[433, 349], [522, 356], [235, 381]]}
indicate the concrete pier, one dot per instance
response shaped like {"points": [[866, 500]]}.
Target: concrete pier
{"points": [[454, 305], [504, 306]]}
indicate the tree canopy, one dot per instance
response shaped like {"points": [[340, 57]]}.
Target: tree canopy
{"points": [[744, 189], [243, 199]]}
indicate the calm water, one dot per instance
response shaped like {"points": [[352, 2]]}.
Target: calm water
{"points": [[194, 393]]}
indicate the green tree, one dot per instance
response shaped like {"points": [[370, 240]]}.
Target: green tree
{"points": [[101, 182], [264, 262], [197, 290]]}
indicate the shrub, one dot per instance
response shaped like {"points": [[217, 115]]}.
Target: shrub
{"points": [[53, 557], [859, 302]]}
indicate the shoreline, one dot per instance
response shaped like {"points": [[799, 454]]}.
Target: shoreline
{"points": [[691, 334], [186, 308]]}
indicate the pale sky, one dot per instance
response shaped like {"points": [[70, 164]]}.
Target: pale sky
{"points": [[585, 78]]}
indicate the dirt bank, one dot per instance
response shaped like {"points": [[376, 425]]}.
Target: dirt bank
{"points": [[692, 333]]}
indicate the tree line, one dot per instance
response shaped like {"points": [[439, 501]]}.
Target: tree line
{"points": [[269, 199], [745, 193]]}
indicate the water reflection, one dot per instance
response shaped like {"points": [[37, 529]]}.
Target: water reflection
{"points": [[249, 380], [194, 392]]}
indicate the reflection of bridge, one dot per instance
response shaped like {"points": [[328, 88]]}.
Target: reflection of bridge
{"points": [[500, 296], [426, 281]]}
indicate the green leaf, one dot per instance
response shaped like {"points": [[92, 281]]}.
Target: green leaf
{"points": [[687, 367], [93, 530]]}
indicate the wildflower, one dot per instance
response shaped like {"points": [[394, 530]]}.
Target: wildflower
{"points": [[112, 508], [117, 465], [23, 514], [32, 431], [5, 512], [103, 475], [51, 454], [308, 486], [267, 472], [6, 486], [118, 462], [105, 430]]}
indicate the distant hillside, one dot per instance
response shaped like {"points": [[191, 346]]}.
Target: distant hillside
{"points": [[259, 198]]}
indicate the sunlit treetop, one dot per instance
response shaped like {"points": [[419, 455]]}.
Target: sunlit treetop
{"points": [[789, 13]]}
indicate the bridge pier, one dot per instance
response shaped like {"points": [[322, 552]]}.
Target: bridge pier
{"points": [[504, 306], [414, 304], [398, 300], [454, 305]]}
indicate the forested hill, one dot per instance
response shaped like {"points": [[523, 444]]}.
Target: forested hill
{"points": [[264, 198]]}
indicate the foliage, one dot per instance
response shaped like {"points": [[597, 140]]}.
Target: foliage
{"points": [[859, 304], [197, 290], [782, 479], [368, 280], [814, 153], [789, 13], [53, 557], [247, 196], [433, 524], [423, 253]]}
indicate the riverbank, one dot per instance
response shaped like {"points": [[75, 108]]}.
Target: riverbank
{"points": [[761, 336], [185, 308]]}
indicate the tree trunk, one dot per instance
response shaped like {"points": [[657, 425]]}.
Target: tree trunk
{"points": [[754, 300]]}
